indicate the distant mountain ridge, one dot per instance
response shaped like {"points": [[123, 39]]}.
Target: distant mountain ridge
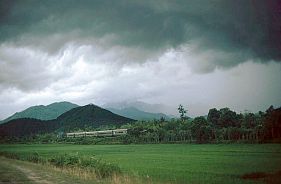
{"points": [[142, 106], [42, 112], [77, 118], [134, 113]]}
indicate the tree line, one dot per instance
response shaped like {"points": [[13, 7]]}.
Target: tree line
{"points": [[223, 125]]}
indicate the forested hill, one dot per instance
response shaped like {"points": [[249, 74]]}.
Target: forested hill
{"points": [[90, 116], [80, 117], [42, 112]]}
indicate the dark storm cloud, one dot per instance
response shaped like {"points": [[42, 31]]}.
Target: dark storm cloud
{"points": [[104, 51], [230, 26]]}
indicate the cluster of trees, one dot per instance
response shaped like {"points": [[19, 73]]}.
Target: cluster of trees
{"points": [[219, 126]]}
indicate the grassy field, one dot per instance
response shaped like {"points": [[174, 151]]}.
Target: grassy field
{"points": [[176, 163]]}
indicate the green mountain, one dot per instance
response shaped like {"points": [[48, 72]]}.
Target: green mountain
{"points": [[79, 117], [90, 116], [134, 113], [42, 112]]}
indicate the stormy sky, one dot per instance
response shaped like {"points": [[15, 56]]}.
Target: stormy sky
{"points": [[198, 53]]}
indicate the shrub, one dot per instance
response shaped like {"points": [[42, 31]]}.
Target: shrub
{"points": [[33, 157], [64, 160], [100, 168]]}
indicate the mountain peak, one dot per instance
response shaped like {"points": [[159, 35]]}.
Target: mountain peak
{"points": [[91, 115], [42, 112]]}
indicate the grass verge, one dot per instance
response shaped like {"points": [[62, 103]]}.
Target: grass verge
{"points": [[88, 167]]}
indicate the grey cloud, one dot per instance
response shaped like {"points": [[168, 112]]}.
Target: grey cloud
{"points": [[158, 51], [207, 60], [22, 68], [223, 25], [29, 69]]}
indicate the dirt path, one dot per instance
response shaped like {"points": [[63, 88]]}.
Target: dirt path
{"points": [[32, 175], [20, 172]]}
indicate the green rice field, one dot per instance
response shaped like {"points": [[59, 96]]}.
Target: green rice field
{"points": [[177, 163]]}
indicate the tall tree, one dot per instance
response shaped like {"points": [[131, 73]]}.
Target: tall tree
{"points": [[201, 130], [213, 117], [249, 121], [228, 118], [182, 112], [273, 122]]}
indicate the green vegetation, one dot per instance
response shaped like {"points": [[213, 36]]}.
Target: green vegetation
{"points": [[89, 163], [176, 163], [89, 116], [220, 126], [42, 112], [182, 112]]}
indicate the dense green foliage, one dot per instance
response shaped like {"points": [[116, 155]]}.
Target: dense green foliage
{"points": [[173, 163], [42, 112], [25, 127], [90, 116], [221, 125], [134, 113]]}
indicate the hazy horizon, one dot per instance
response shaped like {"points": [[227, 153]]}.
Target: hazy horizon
{"points": [[201, 54]]}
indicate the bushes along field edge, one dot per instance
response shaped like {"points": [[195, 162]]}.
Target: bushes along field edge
{"points": [[100, 168]]}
